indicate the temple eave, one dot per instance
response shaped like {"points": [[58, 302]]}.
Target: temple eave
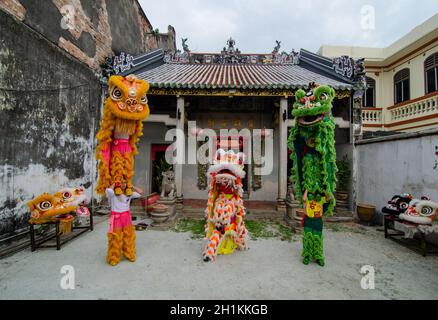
{"points": [[227, 92]]}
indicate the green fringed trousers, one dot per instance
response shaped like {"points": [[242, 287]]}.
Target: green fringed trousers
{"points": [[313, 240]]}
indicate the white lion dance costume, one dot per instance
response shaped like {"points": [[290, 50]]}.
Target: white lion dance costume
{"points": [[225, 228]]}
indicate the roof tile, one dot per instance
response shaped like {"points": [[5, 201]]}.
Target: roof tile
{"points": [[235, 76]]}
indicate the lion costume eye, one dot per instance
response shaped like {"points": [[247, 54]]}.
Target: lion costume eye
{"points": [[116, 94], [323, 97], [144, 99], [403, 205], [66, 195], [45, 205], [427, 211]]}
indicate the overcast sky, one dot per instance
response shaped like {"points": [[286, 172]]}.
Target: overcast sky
{"points": [[256, 24]]}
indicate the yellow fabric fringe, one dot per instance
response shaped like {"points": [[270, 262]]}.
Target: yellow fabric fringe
{"points": [[125, 126], [65, 226], [128, 248], [105, 137], [114, 247], [121, 241], [114, 120]]}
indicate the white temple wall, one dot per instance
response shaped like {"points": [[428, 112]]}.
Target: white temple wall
{"points": [[395, 165]]}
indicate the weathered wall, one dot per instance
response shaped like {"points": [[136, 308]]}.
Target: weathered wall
{"points": [[98, 29], [50, 96], [393, 166], [48, 105]]}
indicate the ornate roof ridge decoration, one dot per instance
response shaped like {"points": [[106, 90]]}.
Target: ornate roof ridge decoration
{"points": [[351, 69], [124, 64], [232, 55], [343, 68], [115, 65], [178, 56]]}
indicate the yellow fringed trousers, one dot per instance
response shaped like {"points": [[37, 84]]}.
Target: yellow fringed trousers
{"points": [[121, 238]]}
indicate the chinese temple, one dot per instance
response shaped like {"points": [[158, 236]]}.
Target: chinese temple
{"points": [[235, 90]]}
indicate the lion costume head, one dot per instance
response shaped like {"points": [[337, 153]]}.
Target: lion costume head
{"points": [[57, 207]]}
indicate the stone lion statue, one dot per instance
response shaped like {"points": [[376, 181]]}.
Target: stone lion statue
{"points": [[168, 184]]}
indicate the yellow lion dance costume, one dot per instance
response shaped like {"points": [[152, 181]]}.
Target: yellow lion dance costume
{"points": [[225, 228], [57, 207], [120, 129]]}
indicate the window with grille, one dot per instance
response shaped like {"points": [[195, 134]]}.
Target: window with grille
{"points": [[401, 86], [369, 97], [431, 73]]}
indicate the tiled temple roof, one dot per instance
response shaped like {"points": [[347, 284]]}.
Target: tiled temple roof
{"points": [[277, 73], [239, 76]]}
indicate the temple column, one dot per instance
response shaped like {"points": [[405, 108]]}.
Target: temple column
{"points": [[356, 135], [181, 148], [282, 155]]}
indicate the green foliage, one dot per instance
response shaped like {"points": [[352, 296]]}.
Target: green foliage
{"points": [[160, 166], [195, 226], [260, 229], [263, 229], [343, 174]]}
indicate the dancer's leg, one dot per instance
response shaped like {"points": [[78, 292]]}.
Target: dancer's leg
{"points": [[213, 245], [114, 247], [318, 243], [128, 248]]}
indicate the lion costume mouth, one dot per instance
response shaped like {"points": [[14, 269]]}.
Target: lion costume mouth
{"points": [[227, 171], [226, 178], [310, 120]]}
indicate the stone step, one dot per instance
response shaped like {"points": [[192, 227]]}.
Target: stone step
{"points": [[339, 219], [343, 214]]}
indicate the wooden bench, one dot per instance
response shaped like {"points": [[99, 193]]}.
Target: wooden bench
{"points": [[59, 239], [417, 244]]}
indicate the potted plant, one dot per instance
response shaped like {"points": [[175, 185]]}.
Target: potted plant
{"points": [[160, 166], [366, 212]]}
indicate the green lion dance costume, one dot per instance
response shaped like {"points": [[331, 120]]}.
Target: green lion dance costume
{"points": [[314, 164]]}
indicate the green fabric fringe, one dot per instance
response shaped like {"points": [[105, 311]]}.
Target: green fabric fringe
{"points": [[313, 246], [319, 168]]}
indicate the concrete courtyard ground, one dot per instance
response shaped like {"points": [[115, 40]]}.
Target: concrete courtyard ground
{"points": [[169, 266]]}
